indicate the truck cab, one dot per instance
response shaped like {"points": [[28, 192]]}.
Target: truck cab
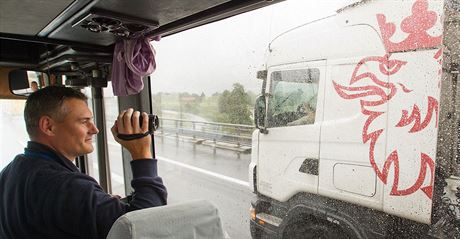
{"points": [[359, 126]]}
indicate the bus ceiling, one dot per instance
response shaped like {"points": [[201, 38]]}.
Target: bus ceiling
{"points": [[70, 22], [50, 34]]}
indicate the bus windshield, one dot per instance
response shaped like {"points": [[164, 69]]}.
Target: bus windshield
{"points": [[358, 101]]}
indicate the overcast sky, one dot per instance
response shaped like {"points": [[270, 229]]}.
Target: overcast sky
{"points": [[212, 58]]}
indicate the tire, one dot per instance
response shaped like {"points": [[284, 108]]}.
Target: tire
{"points": [[314, 229], [256, 233]]}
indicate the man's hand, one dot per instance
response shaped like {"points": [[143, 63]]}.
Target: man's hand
{"points": [[128, 123]]}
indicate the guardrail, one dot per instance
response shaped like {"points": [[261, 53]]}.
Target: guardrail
{"points": [[233, 134]]}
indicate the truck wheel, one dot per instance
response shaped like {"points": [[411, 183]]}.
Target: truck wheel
{"points": [[311, 228], [256, 233]]}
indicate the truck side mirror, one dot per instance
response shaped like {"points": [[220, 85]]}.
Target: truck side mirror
{"points": [[259, 114]]}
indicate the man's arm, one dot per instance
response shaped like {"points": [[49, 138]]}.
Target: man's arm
{"points": [[87, 210], [149, 190], [145, 178], [146, 183]]}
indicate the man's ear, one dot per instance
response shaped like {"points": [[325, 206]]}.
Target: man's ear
{"points": [[46, 125]]}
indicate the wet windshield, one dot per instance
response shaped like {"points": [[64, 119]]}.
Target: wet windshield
{"points": [[361, 98]]}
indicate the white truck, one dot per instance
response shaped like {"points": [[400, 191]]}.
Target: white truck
{"points": [[359, 125]]}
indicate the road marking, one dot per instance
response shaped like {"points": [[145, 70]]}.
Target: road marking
{"points": [[199, 170], [203, 171]]}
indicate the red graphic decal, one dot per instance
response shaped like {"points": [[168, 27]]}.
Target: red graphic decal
{"points": [[415, 116], [378, 93], [404, 88], [425, 161], [386, 67], [438, 57], [415, 25]]}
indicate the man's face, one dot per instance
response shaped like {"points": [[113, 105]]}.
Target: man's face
{"points": [[34, 86], [73, 133]]}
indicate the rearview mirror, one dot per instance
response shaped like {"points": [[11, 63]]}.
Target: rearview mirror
{"points": [[24, 82], [262, 75]]}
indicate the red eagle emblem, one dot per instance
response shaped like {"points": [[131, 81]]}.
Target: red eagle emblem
{"points": [[377, 92]]}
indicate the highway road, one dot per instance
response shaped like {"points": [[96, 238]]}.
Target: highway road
{"points": [[221, 178]]}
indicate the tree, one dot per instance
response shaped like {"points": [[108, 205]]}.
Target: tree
{"points": [[235, 105], [202, 97]]}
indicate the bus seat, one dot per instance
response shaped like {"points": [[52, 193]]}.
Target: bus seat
{"points": [[190, 220]]}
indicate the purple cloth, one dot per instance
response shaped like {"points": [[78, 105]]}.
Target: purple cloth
{"points": [[132, 60]]}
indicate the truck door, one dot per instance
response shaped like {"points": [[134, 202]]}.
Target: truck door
{"points": [[289, 151]]}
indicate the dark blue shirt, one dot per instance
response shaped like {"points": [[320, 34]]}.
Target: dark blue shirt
{"points": [[44, 195]]}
